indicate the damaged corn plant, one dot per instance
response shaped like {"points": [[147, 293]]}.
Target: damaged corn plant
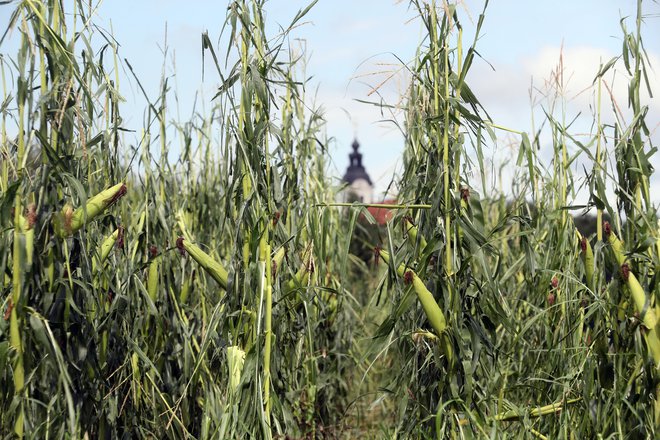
{"points": [[507, 320], [194, 278], [146, 297]]}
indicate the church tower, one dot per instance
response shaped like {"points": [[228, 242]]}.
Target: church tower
{"points": [[359, 187]]}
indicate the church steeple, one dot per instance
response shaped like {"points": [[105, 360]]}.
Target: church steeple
{"points": [[359, 182], [355, 169]]}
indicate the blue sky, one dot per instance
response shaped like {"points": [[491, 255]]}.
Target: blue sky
{"points": [[352, 46]]}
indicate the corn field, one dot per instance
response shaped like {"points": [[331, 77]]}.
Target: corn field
{"points": [[203, 282]]}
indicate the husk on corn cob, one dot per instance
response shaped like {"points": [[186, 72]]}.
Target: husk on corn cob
{"points": [[153, 276], [235, 361], [106, 246], [431, 308], [587, 255], [413, 233], [276, 261], [642, 302], [212, 267], [26, 228], [303, 275], [69, 221]]}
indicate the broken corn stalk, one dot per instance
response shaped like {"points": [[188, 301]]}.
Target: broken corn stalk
{"points": [[212, 267], [68, 221]]}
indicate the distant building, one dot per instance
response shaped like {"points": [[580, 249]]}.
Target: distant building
{"points": [[360, 188]]}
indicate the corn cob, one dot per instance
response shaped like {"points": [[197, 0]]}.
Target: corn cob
{"points": [[26, 227], [235, 361], [642, 302], [106, 246], [276, 261], [303, 275], [587, 255], [413, 233], [185, 288], [152, 277], [552, 408], [431, 308], [212, 267], [68, 221]]}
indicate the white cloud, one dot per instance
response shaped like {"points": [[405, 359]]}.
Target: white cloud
{"points": [[581, 65], [505, 93]]}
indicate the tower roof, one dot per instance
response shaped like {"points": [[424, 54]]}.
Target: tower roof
{"points": [[355, 169]]}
